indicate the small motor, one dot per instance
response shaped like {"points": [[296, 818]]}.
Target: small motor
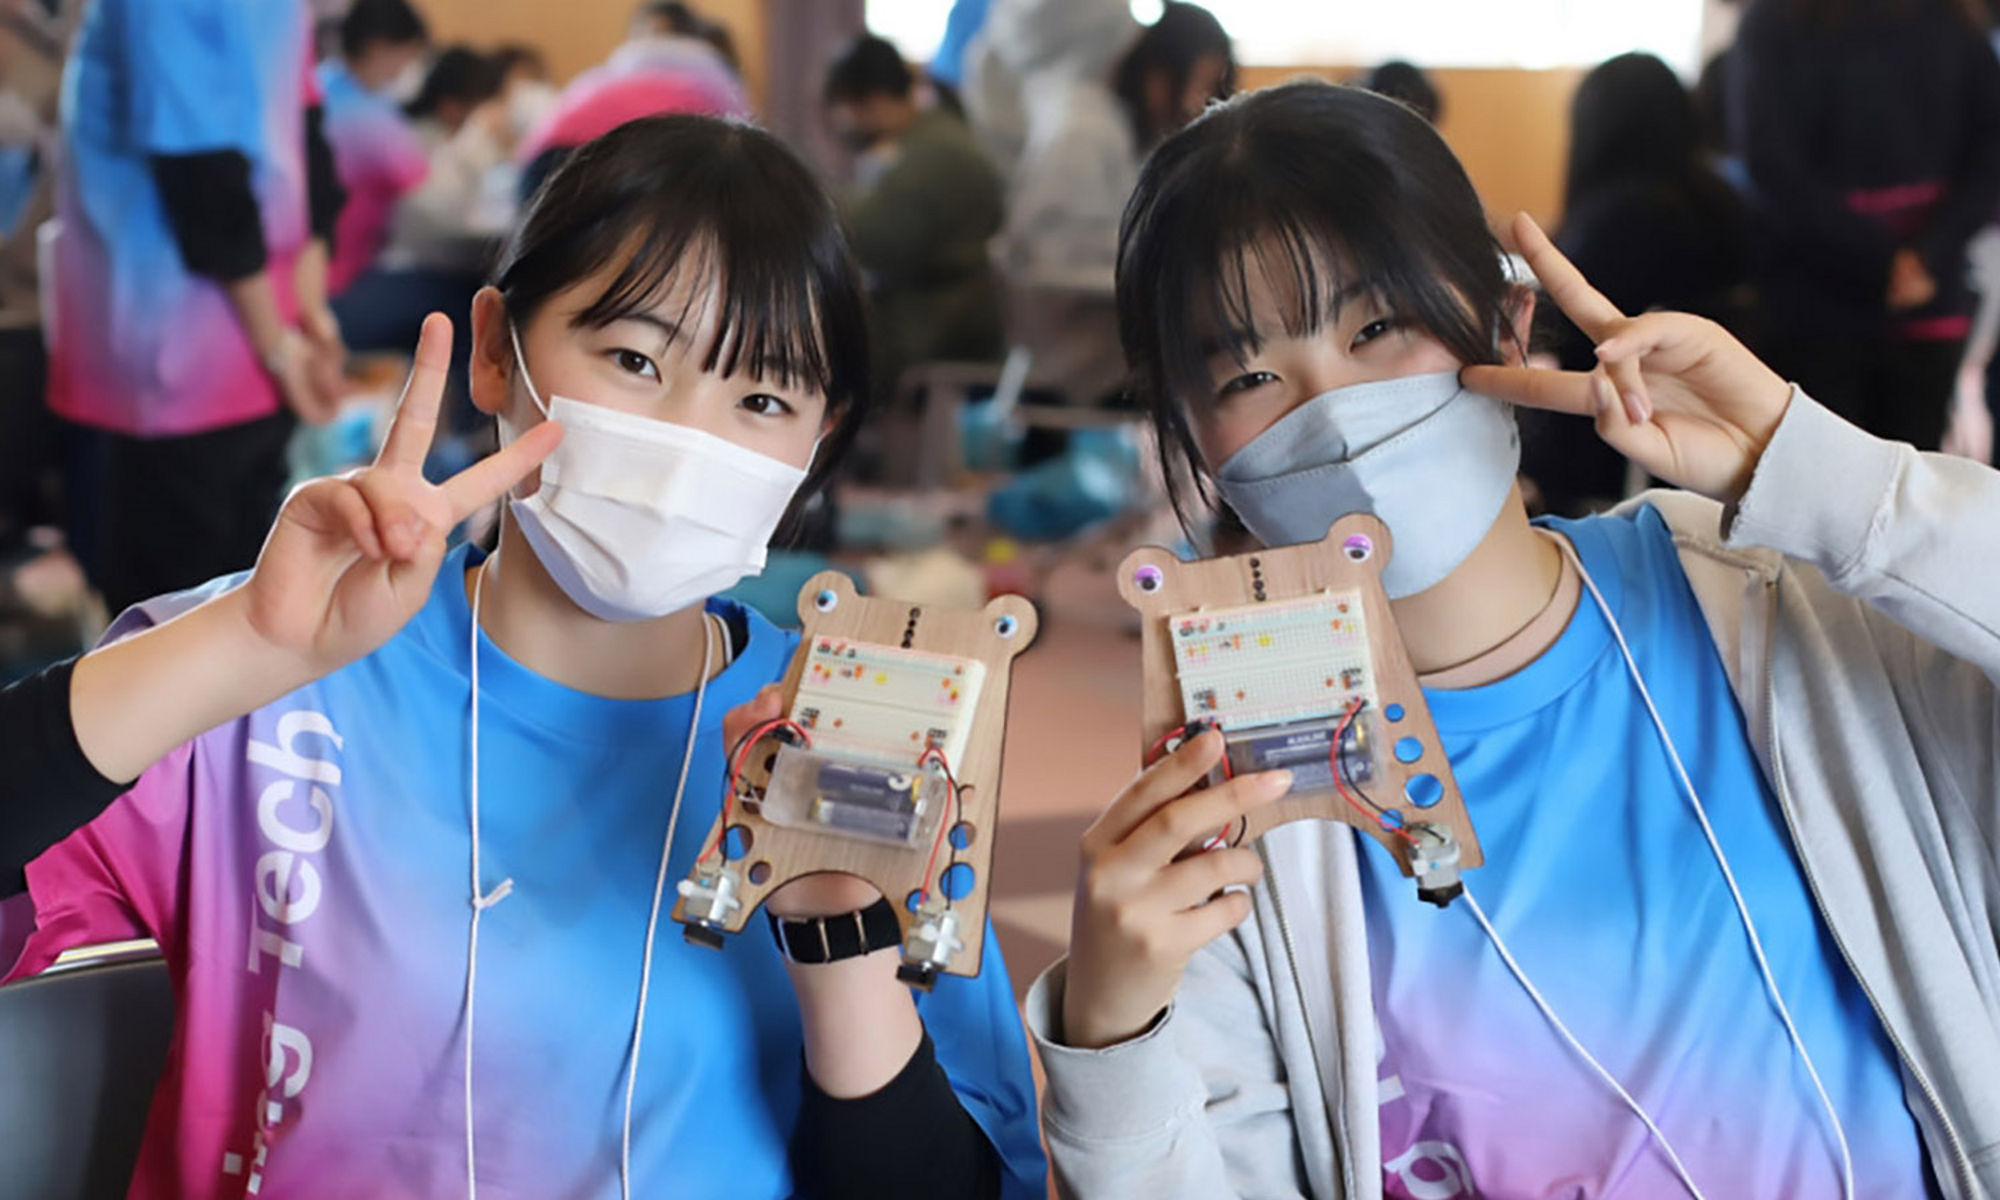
{"points": [[932, 943], [1434, 861], [710, 898]]}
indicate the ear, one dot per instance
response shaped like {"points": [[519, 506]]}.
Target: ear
{"points": [[823, 594], [1012, 623], [491, 368], [1520, 326], [1146, 578]]}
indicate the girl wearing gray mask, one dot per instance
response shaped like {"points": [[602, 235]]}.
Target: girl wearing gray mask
{"points": [[1728, 749]]}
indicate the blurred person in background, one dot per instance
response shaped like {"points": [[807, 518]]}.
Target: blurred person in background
{"points": [[926, 205], [378, 155], [673, 60], [1871, 134], [525, 83], [1647, 220], [441, 232], [1407, 82], [194, 206], [1084, 94]]}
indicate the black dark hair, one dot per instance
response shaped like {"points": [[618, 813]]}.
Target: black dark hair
{"points": [[870, 66], [1328, 188], [663, 196], [1183, 36], [1828, 14], [462, 74], [380, 22], [683, 21], [1407, 82], [1631, 120], [510, 55]]}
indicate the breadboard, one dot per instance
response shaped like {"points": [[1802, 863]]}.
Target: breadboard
{"points": [[1265, 664], [1318, 660], [884, 704]]}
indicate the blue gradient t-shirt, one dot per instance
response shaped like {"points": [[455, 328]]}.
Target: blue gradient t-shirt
{"points": [[1598, 878]]}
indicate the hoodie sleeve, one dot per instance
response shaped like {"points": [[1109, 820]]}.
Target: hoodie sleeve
{"points": [[1195, 1108], [1912, 534]]}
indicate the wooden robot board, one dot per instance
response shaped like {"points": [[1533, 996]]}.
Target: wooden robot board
{"points": [[880, 681], [1300, 634]]}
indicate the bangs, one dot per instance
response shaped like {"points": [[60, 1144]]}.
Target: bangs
{"points": [[767, 320], [1319, 222], [693, 212]]}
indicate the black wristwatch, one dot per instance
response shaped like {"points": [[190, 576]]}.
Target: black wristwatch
{"points": [[817, 940]]}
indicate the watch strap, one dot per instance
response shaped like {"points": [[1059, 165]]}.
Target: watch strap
{"points": [[817, 940]]}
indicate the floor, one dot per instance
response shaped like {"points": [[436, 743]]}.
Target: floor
{"points": [[1072, 743]]}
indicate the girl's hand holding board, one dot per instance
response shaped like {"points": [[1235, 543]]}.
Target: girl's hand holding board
{"points": [[1677, 394]]}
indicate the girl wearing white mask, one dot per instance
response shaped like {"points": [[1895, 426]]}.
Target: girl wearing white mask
{"points": [[1728, 751], [417, 912]]}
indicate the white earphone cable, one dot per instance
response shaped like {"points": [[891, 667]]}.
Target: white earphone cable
{"points": [[653, 917], [1736, 893], [1534, 993]]}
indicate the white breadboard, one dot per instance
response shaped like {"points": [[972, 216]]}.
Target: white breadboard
{"points": [[886, 705], [1266, 664]]}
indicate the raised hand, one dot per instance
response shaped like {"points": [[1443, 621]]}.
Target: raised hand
{"points": [[1143, 906], [352, 558], [1677, 394]]}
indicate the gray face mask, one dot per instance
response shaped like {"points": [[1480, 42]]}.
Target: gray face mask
{"points": [[1429, 458]]}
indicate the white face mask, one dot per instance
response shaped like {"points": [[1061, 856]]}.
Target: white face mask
{"points": [[637, 518], [407, 83], [1429, 458], [527, 103]]}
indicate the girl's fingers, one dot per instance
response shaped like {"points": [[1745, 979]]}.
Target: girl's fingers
{"points": [[1175, 825], [488, 479], [1194, 881], [1203, 924], [351, 510], [766, 705], [1156, 785], [1630, 386], [1584, 304], [399, 527], [410, 433], [1529, 387]]}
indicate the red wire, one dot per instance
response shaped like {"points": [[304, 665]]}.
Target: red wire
{"points": [[736, 773], [1340, 776], [1153, 754], [951, 815]]}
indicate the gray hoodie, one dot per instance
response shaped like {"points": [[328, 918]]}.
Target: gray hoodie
{"points": [[1855, 597]]}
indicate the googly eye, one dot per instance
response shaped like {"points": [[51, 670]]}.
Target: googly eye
{"points": [[827, 600], [1358, 548], [1149, 579], [1007, 626]]}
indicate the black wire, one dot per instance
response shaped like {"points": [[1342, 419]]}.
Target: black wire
{"points": [[1340, 762]]}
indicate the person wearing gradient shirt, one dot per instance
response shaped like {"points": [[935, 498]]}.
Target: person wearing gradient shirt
{"points": [[378, 154], [416, 911], [1728, 751], [188, 316]]}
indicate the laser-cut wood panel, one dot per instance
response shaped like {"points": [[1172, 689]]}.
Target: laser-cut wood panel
{"points": [[831, 609], [1351, 558]]}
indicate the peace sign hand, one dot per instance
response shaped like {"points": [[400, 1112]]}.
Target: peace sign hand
{"points": [[1675, 393], [352, 558]]}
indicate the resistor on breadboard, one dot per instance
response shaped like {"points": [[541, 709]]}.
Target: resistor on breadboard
{"points": [[885, 704], [1270, 663]]}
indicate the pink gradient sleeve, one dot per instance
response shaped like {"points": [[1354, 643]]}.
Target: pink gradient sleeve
{"points": [[121, 876]]}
